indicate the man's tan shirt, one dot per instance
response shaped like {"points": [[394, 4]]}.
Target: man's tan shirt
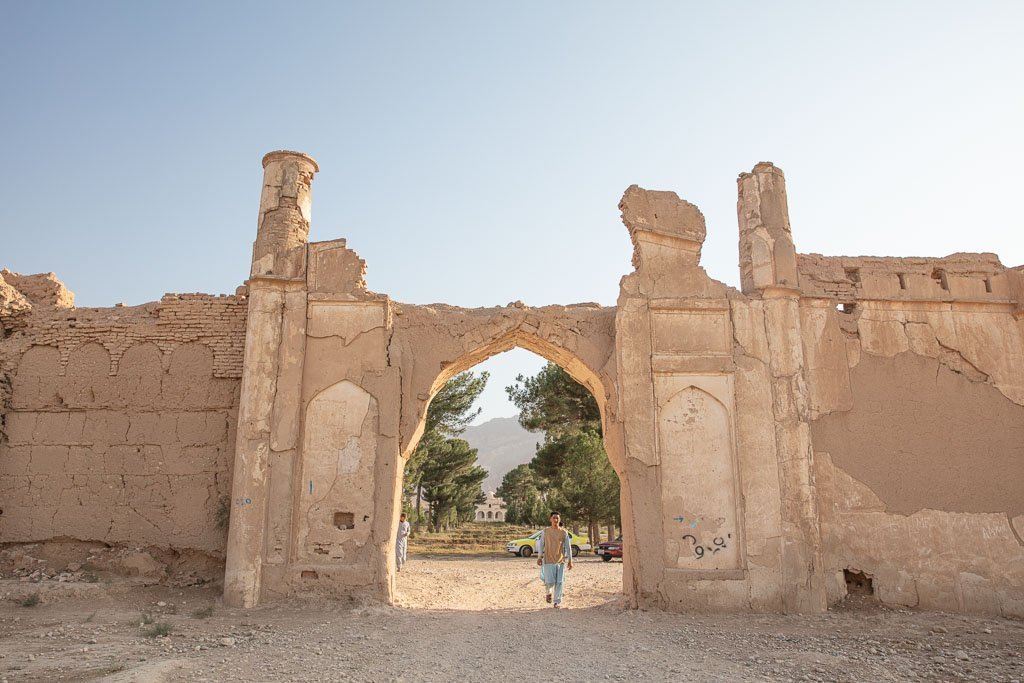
{"points": [[554, 545]]}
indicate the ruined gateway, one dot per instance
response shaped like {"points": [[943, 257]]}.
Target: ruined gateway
{"points": [[837, 415]]}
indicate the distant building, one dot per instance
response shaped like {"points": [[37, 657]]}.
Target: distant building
{"points": [[491, 510]]}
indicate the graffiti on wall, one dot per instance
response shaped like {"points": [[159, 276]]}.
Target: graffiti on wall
{"points": [[697, 474], [696, 538]]}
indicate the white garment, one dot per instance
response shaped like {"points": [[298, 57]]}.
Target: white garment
{"points": [[402, 544]]}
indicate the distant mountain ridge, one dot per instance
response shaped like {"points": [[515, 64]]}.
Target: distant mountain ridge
{"points": [[501, 444]]}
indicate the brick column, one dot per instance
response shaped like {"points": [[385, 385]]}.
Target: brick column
{"points": [[278, 273]]}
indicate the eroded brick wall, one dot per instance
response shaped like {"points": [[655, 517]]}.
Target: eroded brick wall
{"points": [[118, 423], [915, 372]]}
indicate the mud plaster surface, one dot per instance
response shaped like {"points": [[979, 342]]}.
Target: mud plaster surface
{"points": [[922, 436]]}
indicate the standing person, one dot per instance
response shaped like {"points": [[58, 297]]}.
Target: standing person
{"points": [[402, 544], [554, 556]]}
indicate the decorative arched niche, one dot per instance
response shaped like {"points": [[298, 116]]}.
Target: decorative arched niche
{"points": [[698, 482], [35, 385], [86, 381], [139, 379], [336, 487]]}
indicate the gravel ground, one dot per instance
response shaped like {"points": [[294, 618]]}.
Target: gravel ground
{"points": [[479, 619]]}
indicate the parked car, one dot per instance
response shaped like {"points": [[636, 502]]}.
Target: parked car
{"points": [[609, 549], [524, 547]]}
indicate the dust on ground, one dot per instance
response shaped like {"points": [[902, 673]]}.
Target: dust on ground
{"points": [[501, 583], [476, 619]]}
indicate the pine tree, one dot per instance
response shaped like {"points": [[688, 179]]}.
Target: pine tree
{"points": [[450, 477], [450, 412], [521, 494]]}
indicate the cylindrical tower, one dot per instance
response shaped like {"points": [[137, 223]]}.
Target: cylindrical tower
{"points": [[285, 205]]}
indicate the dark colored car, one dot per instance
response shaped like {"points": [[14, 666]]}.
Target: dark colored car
{"points": [[610, 549]]}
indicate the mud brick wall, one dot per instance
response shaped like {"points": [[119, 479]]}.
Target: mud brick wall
{"points": [[916, 394], [118, 423]]}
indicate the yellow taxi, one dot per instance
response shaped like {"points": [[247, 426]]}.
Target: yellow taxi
{"points": [[524, 547]]}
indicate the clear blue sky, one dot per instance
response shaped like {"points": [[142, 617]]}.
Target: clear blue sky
{"points": [[474, 153]]}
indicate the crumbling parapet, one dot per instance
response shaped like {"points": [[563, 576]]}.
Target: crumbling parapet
{"points": [[337, 271], [41, 289], [960, 277], [659, 218], [13, 308]]}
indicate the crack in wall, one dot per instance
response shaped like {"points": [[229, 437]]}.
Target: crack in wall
{"points": [[1013, 530]]}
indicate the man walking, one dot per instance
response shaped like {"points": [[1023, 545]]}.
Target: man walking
{"points": [[402, 544], [554, 556]]}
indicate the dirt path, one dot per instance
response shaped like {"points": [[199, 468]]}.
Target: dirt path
{"points": [[502, 583], [84, 632]]}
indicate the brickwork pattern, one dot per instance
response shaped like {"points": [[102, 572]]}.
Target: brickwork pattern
{"points": [[119, 422], [216, 321]]}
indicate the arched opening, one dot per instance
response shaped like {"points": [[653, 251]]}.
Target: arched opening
{"points": [[492, 564]]}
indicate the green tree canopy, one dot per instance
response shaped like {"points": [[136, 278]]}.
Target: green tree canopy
{"points": [[587, 482], [450, 412], [451, 409], [553, 402], [451, 480], [469, 493], [522, 496]]}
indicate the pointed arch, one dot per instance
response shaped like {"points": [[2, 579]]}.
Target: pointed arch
{"points": [[337, 473], [580, 339], [699, 515]]}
